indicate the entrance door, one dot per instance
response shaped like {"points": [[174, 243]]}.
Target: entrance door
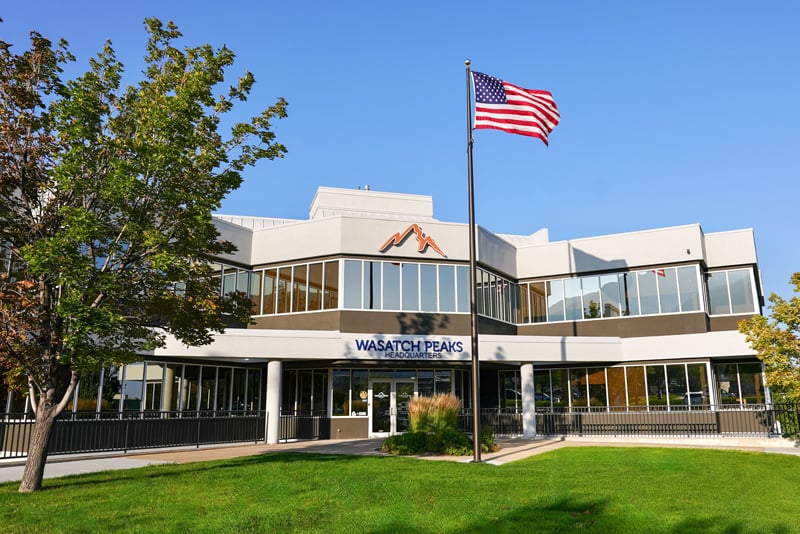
{"points": [[388, 405]]}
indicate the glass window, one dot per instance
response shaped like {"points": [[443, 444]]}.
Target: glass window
{"points": [[511, 390], [698, 384], [410, 286], [676, 384], [132, 386], [173, 376], [223, 398], [538, 302], [555, 300], [352, 284], [284, 289], [320, 400], [315, 287], [597, 386], [577, 387], [152, 389], [253, 402], [428, 288], [270, 291], [616, 387], [741, 292], [300, 289], [425, 387], [372, 285], [242, 281], [687, 283], [718, 293], [229, 281], [542, 392], [637, 393], [341, 392], [359, 394], [629, 294], [572, 299], [668, 290], [207, 387], [443, 381], [462, 288], [190, 387], [447, 288], [656, 385], [239, 393], [523, 308], [609, 295], [751, 383], [255, 292], [648, 292], [391, 286], [592, 307], [88, 390], [330, 299]]}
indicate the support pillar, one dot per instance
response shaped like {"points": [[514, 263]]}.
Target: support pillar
{"points": [[528, 401], [274, 374]]}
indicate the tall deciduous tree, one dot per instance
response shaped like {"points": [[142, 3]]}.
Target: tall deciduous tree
{"points": [[776, 341], [106, 197]]}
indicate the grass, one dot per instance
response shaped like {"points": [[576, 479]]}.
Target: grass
{"points": [[581, 488]]}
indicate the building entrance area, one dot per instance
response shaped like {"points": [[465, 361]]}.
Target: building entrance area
{"points": [[388, 406]]}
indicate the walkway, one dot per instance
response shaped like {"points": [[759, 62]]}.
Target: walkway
{"points": [[510, 450]]}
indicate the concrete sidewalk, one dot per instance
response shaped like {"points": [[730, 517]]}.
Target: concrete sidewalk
{"points": [[511, 449]]}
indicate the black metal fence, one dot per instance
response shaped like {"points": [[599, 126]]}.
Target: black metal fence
{"points": [[305, 425], [689, 421], [123, 431]]}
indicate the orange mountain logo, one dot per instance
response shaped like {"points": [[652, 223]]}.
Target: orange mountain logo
{"points": [[423, 241]]}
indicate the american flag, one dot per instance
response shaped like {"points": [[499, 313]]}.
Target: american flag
{"points": [[504, 106]]}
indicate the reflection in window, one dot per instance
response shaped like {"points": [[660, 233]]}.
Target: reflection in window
{"points": [[555, 300], [629, 294], [577, 387], [270, 291], [648, 292], [741, 290], [718, 293], [410, 286], [391, 286], [372, 285], [668, 290], [447, 288], [609, 295], [428, 288], [689, 292], [597, 386], [462, 288], [300, 289], [352, 284], [616, 386], [592, 307], [284, 289], [572, 299], [330, 299], [315, 287], [637, 394]]}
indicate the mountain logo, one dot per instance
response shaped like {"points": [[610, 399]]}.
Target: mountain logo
{"points": [[423, 241]]}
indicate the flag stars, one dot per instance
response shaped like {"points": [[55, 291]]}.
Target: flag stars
{"points": [[488, 89]]}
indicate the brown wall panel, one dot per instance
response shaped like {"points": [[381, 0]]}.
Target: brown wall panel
{"points": [[405, 323], [349, 428], [654, 325], [299, 321], [728, 322]]}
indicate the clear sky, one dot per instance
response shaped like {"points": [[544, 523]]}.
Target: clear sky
{"points": [[672, 113]]}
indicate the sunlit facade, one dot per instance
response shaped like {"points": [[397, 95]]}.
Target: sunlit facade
{"points": [[365, 305]]}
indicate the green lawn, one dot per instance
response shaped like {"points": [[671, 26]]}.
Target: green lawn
{"points": [[580, 488]]}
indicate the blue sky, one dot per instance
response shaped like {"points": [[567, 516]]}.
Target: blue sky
{"points": [[672, 113]]}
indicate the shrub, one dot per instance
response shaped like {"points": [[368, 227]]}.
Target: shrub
{"points": [[487, 439], [408, 443], [455, 443], [433, 414]]}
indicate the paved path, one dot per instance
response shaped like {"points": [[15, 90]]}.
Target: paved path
{"points": [[511, 450]]}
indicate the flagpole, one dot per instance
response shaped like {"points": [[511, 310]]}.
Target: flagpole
{"points": [[473, 307]]}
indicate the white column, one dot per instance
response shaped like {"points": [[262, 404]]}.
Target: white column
{"points": [[273, 401], [528, 401]]}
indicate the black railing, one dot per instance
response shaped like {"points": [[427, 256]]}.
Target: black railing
{"points": [[122, 431], [297, 425], [504, 422]]}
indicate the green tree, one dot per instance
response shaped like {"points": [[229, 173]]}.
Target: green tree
{"points": [[106, 195], [777, 344]]}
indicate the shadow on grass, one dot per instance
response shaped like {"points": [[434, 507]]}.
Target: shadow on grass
{"points": [[155, 472]]}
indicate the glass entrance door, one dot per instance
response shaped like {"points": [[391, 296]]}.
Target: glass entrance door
{"points": [[388, 405]]}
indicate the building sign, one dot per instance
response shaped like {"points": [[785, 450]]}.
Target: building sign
{"points": [[423, 241], [404, 348]]}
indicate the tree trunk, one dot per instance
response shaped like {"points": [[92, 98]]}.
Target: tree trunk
{"points": [[37, 448]]}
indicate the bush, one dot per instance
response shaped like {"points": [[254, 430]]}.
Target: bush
{"points": [[408, 443], [487, 439], [455, 443], [434, 414]]}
